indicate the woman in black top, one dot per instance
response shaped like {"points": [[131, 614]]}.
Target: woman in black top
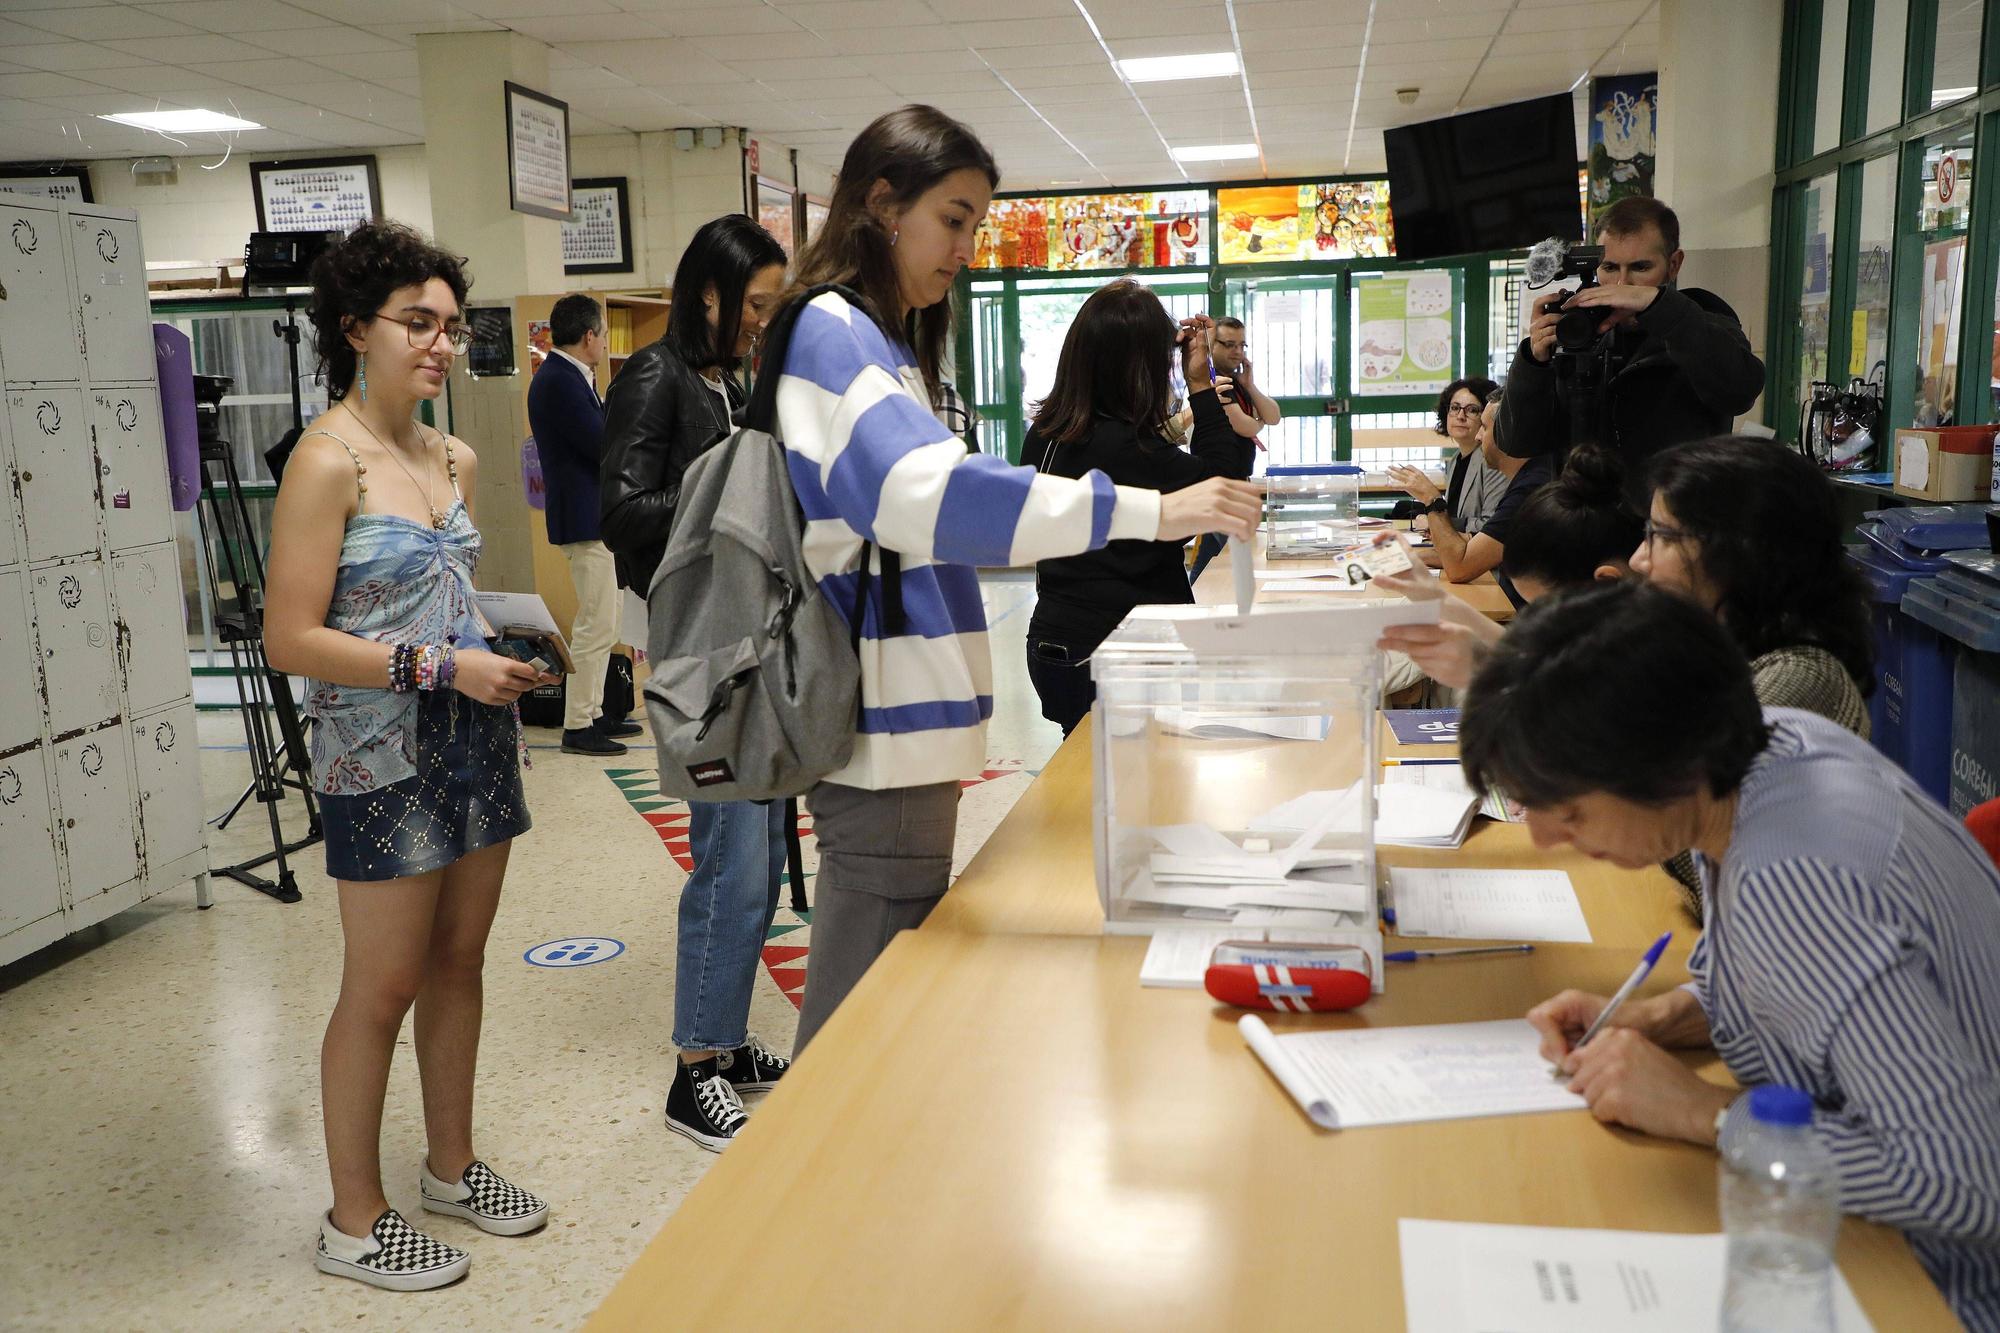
{"points": [[1108, 412]]}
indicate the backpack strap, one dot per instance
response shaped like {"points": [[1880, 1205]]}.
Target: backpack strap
{"points": [[761, 414]]}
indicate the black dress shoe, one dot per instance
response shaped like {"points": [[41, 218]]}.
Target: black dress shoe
{"points": [[616, 730], [590, 741]]}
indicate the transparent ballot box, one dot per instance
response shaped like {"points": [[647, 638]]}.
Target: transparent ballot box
{"points": [[1311, 510], [1232, 788]]}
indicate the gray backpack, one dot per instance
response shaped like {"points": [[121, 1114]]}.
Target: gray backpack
{"points": [[755, 690]]}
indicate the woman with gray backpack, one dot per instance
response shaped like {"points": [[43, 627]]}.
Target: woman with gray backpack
{"points": [[671, 403], [897, 518]]}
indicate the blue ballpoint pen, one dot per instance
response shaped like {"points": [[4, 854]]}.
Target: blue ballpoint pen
{"points": [[1632, 983], [1412, 955]]}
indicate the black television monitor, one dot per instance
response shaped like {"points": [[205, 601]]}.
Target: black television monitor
{"points": [[1499, 179]]}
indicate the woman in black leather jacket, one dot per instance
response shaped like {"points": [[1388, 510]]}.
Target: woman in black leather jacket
{"points": [[674, 400], [671, 403]]}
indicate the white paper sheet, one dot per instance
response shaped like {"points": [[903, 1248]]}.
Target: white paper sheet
{"points": [[1316, 586], [1462, 904], [1406, 815], [1302, 629], [1210, 724], [1177, 957], [1470, 1277]]}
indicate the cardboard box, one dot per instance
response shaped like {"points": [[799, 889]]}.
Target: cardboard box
{"points": [[1949, 464]]}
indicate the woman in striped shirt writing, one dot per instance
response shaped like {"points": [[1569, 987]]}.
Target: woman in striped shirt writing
{"points": [[1851, 946]]}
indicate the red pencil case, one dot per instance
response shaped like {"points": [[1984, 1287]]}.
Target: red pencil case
{"points": [[1288, 977]]}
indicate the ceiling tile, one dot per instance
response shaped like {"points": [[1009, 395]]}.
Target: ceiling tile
{"points": [[1098, 76], [44, 85], [1570, 17], [1402, 31], [502, 11], [561, 28], [60, 56], [908, 41], [1011, 58], [102, 21], [927, 65], [777, 45], [371, 65], [235, 17], [271, 74], [734, 20], [971, 11], [317, 43], [1210, 24], [1001, 35], [826, 15], [205, 46]]}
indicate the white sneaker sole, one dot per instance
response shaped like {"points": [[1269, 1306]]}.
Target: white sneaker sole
{"points": [[497, 1226], [428, 1280], [742, 1088], [712, 1142]]}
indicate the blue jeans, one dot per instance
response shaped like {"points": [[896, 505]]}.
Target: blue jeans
{"points": [[726, 911]]}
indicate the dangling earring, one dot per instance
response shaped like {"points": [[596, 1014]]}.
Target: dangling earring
{"points": [[363, 377], [895, 235]]}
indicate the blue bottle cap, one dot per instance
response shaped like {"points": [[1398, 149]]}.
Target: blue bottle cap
{"points": [[1776, 1104]]}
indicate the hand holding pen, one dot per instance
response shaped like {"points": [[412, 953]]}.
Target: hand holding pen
{"points": [[1572, 1018]]}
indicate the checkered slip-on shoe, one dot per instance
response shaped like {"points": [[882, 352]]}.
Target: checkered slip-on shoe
{"points": [[753, 1066], [393, 1255], [482, 1198]]}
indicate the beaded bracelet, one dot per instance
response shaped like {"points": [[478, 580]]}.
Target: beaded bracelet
{"points": [[403, 668]]}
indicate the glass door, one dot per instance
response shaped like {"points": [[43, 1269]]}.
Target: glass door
{"points": [[1291, 338]]}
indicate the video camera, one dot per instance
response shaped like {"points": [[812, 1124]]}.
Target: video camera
{"points": [[1583, 358], [1552, 261]]}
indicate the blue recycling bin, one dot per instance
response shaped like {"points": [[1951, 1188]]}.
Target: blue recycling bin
{"points": [[1962, 603], [1910, 712]]}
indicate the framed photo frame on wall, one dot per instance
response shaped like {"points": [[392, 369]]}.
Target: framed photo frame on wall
{"points": [[68, 181], [777, 210], [598, 236], [537, 154], [316, 193]]}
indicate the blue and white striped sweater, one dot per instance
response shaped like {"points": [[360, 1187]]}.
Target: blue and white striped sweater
{"points": [[1852, 949], [870, 461]]}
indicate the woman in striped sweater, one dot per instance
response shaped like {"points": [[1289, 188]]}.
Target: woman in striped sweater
{"points": [[871, 463], [1853, 931]]}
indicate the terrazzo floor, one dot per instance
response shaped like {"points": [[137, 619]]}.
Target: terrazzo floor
{"points": [[159, 1098]]}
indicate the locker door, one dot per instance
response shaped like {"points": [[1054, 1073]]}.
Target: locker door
{"points": [[111, 291], [58, 474], [38, 327], [132, 459], [147, 584], [79, 644], [20, 682], [10, 520], [28, 891], [166, 761], [94, 800]]}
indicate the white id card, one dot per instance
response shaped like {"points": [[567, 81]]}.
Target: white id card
{"points": [[1383, 555]]}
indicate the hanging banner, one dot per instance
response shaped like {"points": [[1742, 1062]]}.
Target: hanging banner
{"points": [[1405, 330], [1624, 118]]}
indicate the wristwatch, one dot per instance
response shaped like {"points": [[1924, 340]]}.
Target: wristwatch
{"points": [[1437, 506]]}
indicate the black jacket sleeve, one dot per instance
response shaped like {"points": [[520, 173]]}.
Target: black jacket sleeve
{"points": [[1706, 342], [1530, 421], [637, 482]]}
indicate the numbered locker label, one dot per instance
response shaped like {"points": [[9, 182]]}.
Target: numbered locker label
{"points": [[79, 642], [38, 321], [132, 466]]}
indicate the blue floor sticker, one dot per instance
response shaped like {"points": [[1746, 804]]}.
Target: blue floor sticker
{"points": [[577, 952]]}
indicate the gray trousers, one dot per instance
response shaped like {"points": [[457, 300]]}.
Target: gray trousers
{"points": [[884, 862]]}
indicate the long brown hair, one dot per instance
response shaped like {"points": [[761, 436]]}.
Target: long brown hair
{"points": [[1117, 362], [912, 148]]}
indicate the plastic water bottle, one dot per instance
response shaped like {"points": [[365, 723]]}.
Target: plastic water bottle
{"points": [[1781, 1209]]}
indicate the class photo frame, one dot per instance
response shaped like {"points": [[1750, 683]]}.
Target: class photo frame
{"points": [[316, 193]]}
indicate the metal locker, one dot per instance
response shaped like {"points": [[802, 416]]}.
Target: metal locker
{"points": [[20, 680], [94, 804], [79, 643], [38, 321], [29, 890], [132, 460], [166, 763], [11, 551], [111, 292], [147, 586], [56, 470]]}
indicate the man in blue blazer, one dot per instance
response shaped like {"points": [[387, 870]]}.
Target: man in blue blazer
{"points": [[567, 418]]}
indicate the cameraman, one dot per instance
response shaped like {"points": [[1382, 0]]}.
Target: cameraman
{"points": [[1681, 366]]}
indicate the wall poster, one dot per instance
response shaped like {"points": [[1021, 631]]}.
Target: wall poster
{"points": [[67, 181], [316, 194], [1286, 224], [598, 236], [1406, 332], [1624, 118]]}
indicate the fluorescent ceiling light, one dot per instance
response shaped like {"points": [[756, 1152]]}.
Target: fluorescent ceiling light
{"points": [[1158, 69], [1215, 152], [183, 122]]}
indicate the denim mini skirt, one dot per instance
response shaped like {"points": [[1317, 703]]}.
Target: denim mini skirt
{"points": [[465, 795]]}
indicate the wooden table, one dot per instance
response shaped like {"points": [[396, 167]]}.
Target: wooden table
{"points": [[1007, 1132], [1217, 586]]}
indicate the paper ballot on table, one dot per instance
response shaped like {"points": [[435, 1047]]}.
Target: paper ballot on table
{"points": [[1469, 1277], [1460, 904], [1406, 815], [1301, 629], [1395, 1076]]}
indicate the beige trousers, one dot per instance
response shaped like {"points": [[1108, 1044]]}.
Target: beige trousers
{"points": [[594, 632]]}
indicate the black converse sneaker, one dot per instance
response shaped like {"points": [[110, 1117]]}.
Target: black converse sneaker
{"points": [[484, 1199], [393, 1255], [703, 1106], [752, 1067]]}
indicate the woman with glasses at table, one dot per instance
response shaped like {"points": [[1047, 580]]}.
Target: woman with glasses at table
{"points": [[1474, 489], [415, 755]]}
